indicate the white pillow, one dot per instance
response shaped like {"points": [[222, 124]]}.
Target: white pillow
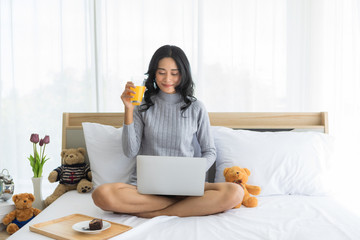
{"points": [[279, 162], [108, 162]]}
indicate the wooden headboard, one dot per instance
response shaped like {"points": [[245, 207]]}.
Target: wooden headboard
{"points": [[72, 135]]}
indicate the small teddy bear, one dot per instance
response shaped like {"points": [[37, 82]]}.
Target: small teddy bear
{"points": [[22, 214], [240, 176], [73, 174]]}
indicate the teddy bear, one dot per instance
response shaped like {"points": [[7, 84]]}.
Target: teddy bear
{"points": [[73, 174], [240, 176], [22, 214]]}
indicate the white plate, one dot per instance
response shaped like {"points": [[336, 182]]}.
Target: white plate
{"points": [[84, 227]]}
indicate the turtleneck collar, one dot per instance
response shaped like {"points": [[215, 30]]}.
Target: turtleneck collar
{"points": [[170, 98]]}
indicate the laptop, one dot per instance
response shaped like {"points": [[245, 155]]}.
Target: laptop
{"points": [[163, 175]]}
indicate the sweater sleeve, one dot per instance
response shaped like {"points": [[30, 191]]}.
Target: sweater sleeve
{"points": [[132, 135], [59, 170], [204, 136]]}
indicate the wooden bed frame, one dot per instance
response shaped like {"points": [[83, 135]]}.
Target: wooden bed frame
{"points": [[73, 136]]}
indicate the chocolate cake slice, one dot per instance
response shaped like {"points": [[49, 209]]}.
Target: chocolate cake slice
{"points": [[96, 224]]}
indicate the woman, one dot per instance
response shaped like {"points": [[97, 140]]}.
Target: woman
{"points": [[165, 124]]}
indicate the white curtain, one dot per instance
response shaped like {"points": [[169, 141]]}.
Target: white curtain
{"points": [[262, 55], [46, 68], [229, 43]]}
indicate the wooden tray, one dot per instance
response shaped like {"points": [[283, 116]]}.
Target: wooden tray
{"points": [[61, 228]]}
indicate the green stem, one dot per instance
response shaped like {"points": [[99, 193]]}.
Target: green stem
{"points": [[42, 157], [34, 148]]}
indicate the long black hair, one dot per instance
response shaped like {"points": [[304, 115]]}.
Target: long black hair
{"points": [[186, 86]]}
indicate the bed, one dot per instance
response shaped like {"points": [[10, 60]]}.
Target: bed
{"points": [[289, 155]]}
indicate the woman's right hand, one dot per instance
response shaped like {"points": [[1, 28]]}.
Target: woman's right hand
{"points": [[126, 96]]}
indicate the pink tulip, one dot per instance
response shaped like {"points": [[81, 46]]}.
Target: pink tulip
{"points": [[41, 142], [46, 139], [34, 138]]}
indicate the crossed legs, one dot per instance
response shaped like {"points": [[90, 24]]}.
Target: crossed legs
{"points": [[124, 198]]}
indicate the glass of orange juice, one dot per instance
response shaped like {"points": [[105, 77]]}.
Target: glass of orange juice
{"points": [[139, 89]]}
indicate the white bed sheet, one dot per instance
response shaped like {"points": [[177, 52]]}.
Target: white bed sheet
{"points": [[276, 217]]}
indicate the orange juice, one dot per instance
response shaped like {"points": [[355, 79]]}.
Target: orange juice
{"points": [[139, 93]]}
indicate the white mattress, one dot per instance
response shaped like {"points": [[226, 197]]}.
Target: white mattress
{"points": [[276, 217]]}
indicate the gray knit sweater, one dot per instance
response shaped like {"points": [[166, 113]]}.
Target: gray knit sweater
{"points": [[163, 130]]}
